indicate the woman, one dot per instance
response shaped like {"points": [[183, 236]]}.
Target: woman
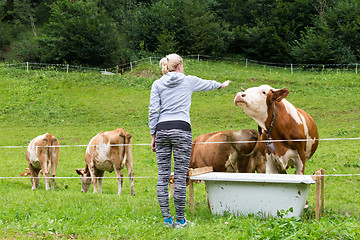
{"points": [[170, 129]]}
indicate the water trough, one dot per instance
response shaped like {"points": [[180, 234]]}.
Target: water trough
{"points": [[259, 194]]}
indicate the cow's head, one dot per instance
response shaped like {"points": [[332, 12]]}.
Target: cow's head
{"points": [[256, 101], [85, 178]]}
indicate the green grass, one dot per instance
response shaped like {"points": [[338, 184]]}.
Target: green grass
{"points": [[76, 106]]}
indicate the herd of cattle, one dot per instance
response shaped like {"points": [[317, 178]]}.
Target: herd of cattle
{"points": [[288, 138]]}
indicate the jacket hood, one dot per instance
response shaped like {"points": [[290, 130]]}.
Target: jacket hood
{"points": [[172, 79]]}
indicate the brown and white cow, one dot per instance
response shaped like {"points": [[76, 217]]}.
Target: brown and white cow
{"points": [[290, 135], [107, 151], [228, 151], [42, 155]]}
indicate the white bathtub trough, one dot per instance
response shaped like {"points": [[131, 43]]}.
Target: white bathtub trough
{"points": [[259, 194]]}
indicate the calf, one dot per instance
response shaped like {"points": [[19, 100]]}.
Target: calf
{"points": [[290, 133], [107, 151], [42, 156]]}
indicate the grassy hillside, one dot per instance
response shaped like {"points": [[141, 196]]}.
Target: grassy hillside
{"points": [[76, 106]]}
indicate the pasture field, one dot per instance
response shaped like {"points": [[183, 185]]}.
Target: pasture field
{"points": [[74, 107]]}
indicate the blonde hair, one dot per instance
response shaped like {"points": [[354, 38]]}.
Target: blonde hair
{"points": [[170, 63]]}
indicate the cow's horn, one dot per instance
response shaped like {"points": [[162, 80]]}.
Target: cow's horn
{"points": [[242, 89]]}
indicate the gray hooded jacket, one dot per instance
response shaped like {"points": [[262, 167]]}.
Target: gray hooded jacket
{"points": [[170, 97]]}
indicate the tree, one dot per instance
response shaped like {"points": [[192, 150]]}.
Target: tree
{"points": [[80, 33], [24, 10], [265, 29], [320, 6], [5, 29], [343, 18], [318, 46], [187, 25], [209, 34], [334, 37]]}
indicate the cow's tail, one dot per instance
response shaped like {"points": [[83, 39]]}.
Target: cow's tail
{"points": [[52, 145], [52, 154], [47, 140], [127, 153]]}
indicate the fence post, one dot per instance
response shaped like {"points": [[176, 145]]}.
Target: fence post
{"points": [[291, 68], [27, 66], [246, 63], [356, 67], [317, 203], [320, 192], [322, 171], [150, 61], [194, 172], [130, 66], [198, 58], [67, 68]]}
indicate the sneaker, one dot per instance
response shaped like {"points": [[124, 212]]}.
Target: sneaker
{"points": [[182, 224], [169, 223]]}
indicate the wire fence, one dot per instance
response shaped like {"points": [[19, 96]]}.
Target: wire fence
{"points": [[148, 144], [232, 142], [153, 177], [121, 68]]}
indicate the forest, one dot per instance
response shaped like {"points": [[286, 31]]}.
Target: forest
{"points": [[105, 33]]}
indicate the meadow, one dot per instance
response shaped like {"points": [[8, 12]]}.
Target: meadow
{"points": [[74, 107]]}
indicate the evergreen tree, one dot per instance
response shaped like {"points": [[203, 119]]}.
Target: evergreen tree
{"points": [[80, 33]]}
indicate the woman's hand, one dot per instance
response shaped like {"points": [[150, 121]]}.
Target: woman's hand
{"points": [[153, 142], [225, 84]]}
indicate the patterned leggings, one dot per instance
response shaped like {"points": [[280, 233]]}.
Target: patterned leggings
{"points": [[178, 142]]}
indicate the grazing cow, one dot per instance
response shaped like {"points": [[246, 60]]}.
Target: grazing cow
{"points": [[290, 135], [226, 151], [42, 155], [107, 151]]}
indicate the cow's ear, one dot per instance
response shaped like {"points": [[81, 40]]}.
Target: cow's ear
{"points": [[79, 171], [129, 136], [280, 94]]}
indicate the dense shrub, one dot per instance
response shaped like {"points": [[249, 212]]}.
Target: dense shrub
{"points": [[186, 26], [320, 47], [80, 33], [344, 21], [5, 36]]}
